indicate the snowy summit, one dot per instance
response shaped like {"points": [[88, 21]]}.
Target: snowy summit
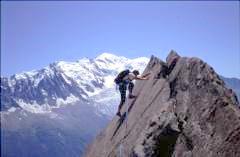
{"points": [[62, 83]]}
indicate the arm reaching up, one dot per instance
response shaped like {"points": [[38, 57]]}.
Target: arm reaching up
{"points": [[143, 77], [146, 75]]}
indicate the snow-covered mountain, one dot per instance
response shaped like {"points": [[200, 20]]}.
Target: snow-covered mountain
{"points": [[57, 110], [62, 83]]}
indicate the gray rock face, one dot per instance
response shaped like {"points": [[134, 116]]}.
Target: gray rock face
{"points": [[186, 112], [234, 84]]}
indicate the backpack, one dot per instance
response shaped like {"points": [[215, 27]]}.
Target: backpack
{"points": [[121, 75]]}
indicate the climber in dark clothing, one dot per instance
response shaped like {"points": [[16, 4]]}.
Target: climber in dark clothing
{"points": [[124, 80]]}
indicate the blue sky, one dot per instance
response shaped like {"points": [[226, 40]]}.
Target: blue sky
{"points": [[34, 34]]}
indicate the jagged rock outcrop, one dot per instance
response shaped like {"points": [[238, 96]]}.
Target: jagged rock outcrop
{"points": [[183, 110]]}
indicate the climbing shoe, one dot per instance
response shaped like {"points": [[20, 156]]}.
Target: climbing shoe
{"points": [[118, 114], [131, 96]]}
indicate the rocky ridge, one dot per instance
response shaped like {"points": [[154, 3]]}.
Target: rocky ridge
{"points": [[183, 110]]}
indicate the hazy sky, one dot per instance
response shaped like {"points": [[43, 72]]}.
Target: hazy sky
{"points": [[34, 34]]}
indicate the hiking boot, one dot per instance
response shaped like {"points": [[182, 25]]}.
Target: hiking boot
{"points": [[118, 114], [130, 96]]}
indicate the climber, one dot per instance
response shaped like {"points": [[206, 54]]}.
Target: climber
{"points": [[124, 80]]}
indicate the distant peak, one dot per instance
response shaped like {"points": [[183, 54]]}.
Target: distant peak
{"points": [[25, 74], [107, 55]]}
